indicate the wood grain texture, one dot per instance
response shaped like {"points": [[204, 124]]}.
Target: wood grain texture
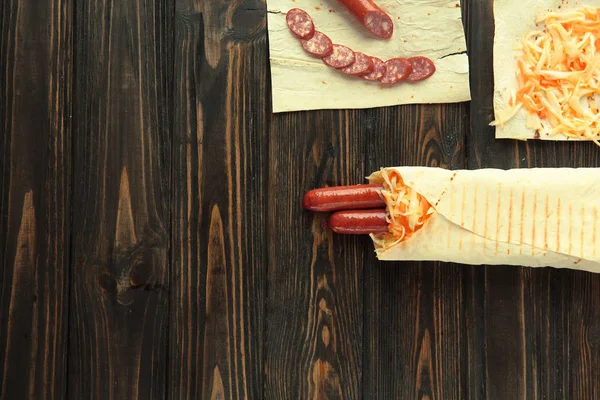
{"points": [[414, 320], [121, 215], [314, 312], [219, 201], [160, 249], [541, 327], [35, 178]]}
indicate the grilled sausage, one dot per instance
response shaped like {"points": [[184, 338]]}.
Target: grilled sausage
{"points": [[344, 198], [358, 222]]}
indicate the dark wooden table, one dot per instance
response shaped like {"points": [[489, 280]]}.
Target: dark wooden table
{"points": [[152, 243]]}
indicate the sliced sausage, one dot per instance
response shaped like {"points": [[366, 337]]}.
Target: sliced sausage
{"points": [[319, 45], [344, 198], [340, 57], [422, 68], [397, 69], [359, 222], [378, 70], [300, 23], [362, 65], [371, 16]]}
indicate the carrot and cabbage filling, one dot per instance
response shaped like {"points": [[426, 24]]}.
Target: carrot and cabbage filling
{"points": [[407, 211], [558, 76]]}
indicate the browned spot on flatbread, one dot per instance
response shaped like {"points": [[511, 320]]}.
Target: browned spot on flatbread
{"points": [[522, 225], [594, 232], [570, 228], [534, 221], [440, 199], [510, 214], [498, 217], [451, 208], [546, 223], [558, 225], [582, 224], [462, 215], [487, 210], [462, 207], [475, 187]]}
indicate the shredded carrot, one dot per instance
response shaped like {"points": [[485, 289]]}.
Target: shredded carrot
{"points": [[407, 210], [558, 73]]}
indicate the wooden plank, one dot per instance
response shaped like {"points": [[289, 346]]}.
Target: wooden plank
{"points": [[540, 325], [219, 201], [35, 178], [479, 22], [121, 214], [314, 304], [414, 317]]}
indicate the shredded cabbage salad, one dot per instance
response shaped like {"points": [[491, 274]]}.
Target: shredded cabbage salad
{"points": [[407, 211], [558, 76]]}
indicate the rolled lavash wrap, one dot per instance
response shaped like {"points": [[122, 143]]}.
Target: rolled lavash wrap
{"points": [[529, 217]]}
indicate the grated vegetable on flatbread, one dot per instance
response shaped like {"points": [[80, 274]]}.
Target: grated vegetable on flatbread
{"points": [[558, 76]]}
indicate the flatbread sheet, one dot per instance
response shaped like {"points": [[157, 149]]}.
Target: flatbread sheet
{"points": [[530, 217], [512, 18], [431, 28]]}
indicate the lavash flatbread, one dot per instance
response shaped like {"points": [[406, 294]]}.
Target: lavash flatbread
{"points": [[431, 28], [512, 18], [530, 217]]}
